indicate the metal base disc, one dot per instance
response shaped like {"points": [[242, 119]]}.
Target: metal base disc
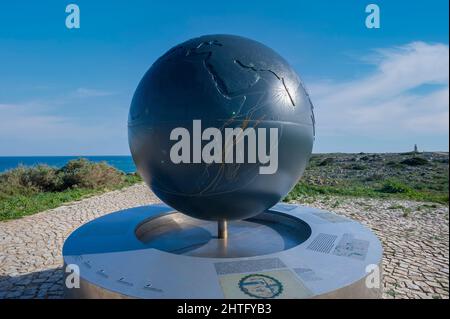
{"points": [[265, 234], [289, 251]]}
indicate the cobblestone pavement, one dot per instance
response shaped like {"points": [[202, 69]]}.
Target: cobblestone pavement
{"points": [[414, 235], [415, 239], [30, 247]]}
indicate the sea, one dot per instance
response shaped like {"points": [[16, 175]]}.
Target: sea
{"points": [[123, 163]]}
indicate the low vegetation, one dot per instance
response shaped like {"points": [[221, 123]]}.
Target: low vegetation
{"points": [[27, 190], [414, 176]]}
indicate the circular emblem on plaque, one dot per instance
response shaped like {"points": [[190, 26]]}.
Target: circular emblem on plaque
{"points": [[260, 286]]}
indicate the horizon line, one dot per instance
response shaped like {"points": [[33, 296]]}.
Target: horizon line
{"points": [[129, 155]]}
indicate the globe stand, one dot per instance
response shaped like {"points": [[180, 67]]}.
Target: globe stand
{"points": [[222, 229], [289, 251]]}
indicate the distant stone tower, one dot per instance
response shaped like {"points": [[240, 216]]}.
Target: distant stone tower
{"points": [[415, 148]]}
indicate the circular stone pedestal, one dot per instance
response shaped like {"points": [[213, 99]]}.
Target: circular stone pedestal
{"points": [[289, 251]]}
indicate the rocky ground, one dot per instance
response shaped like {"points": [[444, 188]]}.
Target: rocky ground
{"points": [[417, 176], [415, 238], [422, 171]]}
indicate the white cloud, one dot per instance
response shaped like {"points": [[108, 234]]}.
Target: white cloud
{"points": [[407, 94], [31, 129], [4, 106], [26, 121], [85, 92], [36, 119]]}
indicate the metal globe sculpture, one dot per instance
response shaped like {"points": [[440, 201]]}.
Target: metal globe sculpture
{"points": [[221, 128]]}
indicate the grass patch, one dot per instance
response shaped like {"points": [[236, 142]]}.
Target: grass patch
{"points": [[301, 191], [394, 187]]}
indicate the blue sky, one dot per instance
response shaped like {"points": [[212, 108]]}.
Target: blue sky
{"points": [[67, 92]]}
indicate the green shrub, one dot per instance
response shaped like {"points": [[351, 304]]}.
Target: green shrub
{"points": [[16, 181], [409, 153], [44, 178], [415, 161], [81, 173], [394, 164], [394, 187], [29, 180], [133, 178], [374, 177], [326, 161], [441, 160], [355, 166]]}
